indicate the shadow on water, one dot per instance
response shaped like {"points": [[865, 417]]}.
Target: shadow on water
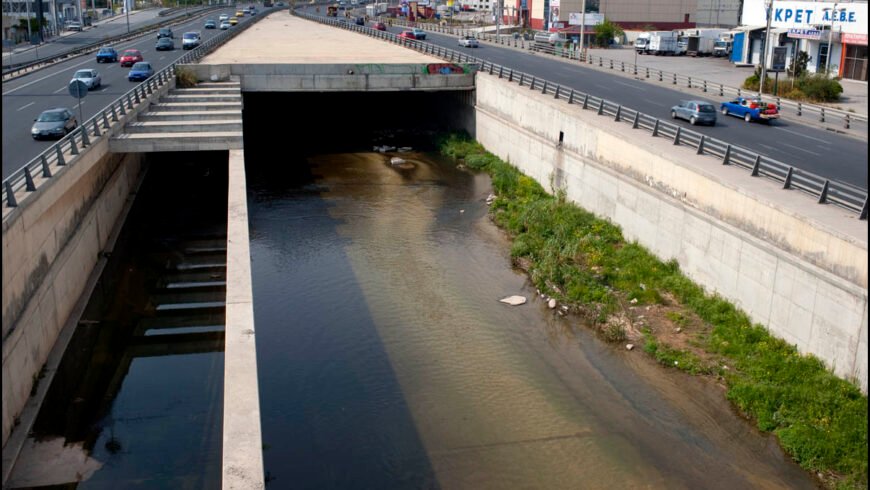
{"points": [[136, 401]]}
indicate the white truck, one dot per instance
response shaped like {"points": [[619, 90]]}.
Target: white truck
{"points": [[643, 42], [662, 43], [700, 42], [376, 9], [722, 45]]}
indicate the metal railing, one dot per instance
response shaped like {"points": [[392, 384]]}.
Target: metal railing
{"points": [[106, 123], [15, 70], [825, 191], [568, 51]]}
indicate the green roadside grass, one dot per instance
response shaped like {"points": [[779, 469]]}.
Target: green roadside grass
{"points": [[819, 419]]}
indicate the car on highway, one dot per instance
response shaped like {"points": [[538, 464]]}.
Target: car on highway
{"points": [[695, 111], [223, 17], [419, 33], [252, 11], [190, 40], [750, 109], [53, 123], [89, 76], [74, 26], [225, 25], [468, 42], [140, 71], [380, 26], [359, 21], [131, 56], [165, 32], [107, 54], [240, 13], [234, 21], [408, 35], [164, 44], [210, 24]]}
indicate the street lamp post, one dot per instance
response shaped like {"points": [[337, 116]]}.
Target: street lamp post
{"points": [[127, 4], [769, 7], [833, 13], [582, 25]]}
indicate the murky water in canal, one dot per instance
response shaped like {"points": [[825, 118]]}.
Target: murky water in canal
{"points": [[386, 361]]}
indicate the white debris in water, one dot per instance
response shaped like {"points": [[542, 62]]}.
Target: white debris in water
{"points": [[403, 149], [514, 300], [629, 346], [551, 303], [397, 161]]}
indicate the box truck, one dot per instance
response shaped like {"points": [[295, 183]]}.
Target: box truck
{"points": [[644, 39], [662, 43]]}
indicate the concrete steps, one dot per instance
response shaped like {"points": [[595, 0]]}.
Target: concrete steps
{"points": [[222, 125], [202, 118]]}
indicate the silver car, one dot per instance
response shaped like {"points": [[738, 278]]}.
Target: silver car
{"points": [[90, 76], [53, 123], [468, 42], [695, 111]]}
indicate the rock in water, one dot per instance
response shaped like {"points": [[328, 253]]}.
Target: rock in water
{"points": [[551, 303], [629, 346], [514, 300], [397, 161]]}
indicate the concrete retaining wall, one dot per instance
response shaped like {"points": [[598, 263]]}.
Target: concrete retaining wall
{"points": [[51, 244], [335, 77], [794, 266]]}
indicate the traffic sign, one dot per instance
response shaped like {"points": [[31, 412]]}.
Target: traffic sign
{"points": [[78, 89]]}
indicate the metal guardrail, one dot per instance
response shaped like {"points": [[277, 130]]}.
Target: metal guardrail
{"points": [[15, 70], [800, 109], [825, 191], [56, 158]]}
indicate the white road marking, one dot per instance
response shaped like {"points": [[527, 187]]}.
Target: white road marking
{"points": [[605, 87], [60, 90], [804, 136], [25, 106], [161, 58], [767, 146], [630, 85], [808, 151]]}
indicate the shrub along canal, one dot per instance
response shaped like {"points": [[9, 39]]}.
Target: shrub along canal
{"points": [[387, 361]]}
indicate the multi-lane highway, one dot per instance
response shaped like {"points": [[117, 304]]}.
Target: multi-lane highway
{"points": [[823, 152], [26, 97]]}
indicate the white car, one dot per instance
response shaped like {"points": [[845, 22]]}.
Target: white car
{"points": [[468, 42], [225, 25], [190, 40], [223, 17], [90, 76]]}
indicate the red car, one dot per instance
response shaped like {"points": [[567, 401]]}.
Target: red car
{"points": [[380, 26], [408, 35], [130, 57]]}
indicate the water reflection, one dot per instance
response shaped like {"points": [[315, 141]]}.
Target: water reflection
{"points": [[386, 360]]}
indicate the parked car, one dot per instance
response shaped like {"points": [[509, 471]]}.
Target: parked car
{"points": [[234, 21], [91, 78], [210, 24], [165, 32], [74, 26], [419, 33], [468, 42], [695, 111], [190, 40], [53, 123], [408, 35], [750, 109], [131, 56], [223, 17], [380, 26], [164, 44], [107, 54], [140, 71], [225, 25]]}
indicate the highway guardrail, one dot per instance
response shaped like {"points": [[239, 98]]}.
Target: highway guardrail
{"points": [[825, 191], [569, 51], [22, 183]]}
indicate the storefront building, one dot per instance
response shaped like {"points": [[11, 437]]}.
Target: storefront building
{"points": [[821, 29]]}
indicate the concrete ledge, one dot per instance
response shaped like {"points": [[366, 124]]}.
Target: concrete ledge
{"points": [[194, 126], [188, 115], [242, 438], [148, 142], [196, 106]]}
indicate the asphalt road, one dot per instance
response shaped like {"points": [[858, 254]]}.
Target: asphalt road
{"points": [[822, 152], [25, 98], [115, 26]]}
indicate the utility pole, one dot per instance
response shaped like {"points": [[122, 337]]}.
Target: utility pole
{"points": [[582, 26], [768, 8]]}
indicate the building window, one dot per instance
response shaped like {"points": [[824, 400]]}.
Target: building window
{"points": [[855, 63]]}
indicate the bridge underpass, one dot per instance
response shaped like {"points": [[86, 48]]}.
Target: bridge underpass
{"points": [[338, 92]]}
